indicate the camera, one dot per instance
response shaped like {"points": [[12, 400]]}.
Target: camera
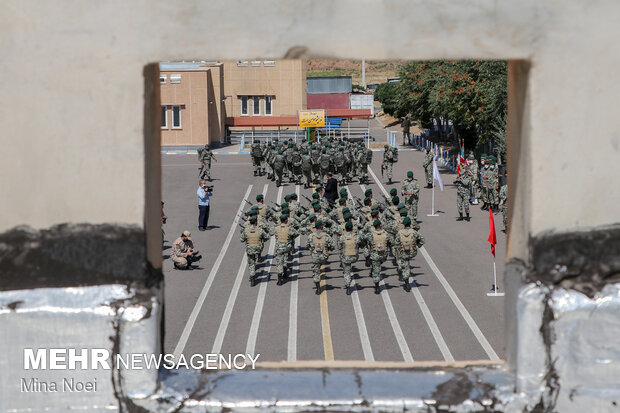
{"points": [[208, 188]]}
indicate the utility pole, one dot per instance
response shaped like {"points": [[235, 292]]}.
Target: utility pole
{"points": [[364, 73]]}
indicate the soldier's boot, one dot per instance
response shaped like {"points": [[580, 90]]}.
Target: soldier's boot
{"points": [[368, 262], [484, 206], [460, 218], [347, 289], [317, 285], [280, 279], [253, 281], [389, 181], [377, 288], [467, 217], [406, 286], [254, 172]]}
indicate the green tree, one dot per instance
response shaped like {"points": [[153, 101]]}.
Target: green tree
{"points": [[469, 94]]}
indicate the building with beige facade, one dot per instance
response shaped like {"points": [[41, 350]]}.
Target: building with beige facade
{"points": [[261, 88], [192, 103]]}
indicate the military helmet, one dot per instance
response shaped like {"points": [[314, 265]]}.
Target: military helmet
{"points": [[259, 197], [395, 200], [283, 217], [286, 211], [409, 174], [402, 212], [343, 191], [376, 223], [316, 207], [348, 226], [253, 219], [316, 195], [400, 205], [347, 215], [374, 213], [342, 201], [279, 151], [367, 201], [406, 221], [284, 205], [393, 192], [368, 192], [319, 223], [385, 146]]}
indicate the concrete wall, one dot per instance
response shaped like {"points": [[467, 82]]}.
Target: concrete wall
{"points": [[80, 145]]}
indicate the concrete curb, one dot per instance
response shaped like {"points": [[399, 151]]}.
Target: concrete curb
{"points": [[196, 153]]}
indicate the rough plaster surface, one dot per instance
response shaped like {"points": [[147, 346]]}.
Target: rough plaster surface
{"points": [[73, 74], [112, 317]]}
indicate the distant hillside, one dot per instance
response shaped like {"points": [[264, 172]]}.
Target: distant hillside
{"points": [[377, 71]]}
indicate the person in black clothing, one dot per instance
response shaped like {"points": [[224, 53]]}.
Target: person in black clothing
{"points": [[331, 188]]}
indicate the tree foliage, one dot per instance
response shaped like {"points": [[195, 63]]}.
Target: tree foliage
{"points": [[472, 95]]}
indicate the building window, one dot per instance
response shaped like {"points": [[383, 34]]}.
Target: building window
{"points": [[268, 105], [242, 63], [176, 117], [255, 63], [162, 79], [164, 117], [256, 105], [175, 78], [269, 63], [244, 106]]}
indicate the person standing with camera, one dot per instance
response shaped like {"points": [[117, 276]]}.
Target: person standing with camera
{"points": [[204, 193]]}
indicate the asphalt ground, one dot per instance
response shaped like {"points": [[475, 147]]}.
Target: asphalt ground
{"points": [[213, 309]]}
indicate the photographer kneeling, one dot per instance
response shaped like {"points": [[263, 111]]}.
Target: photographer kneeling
{"points": [[183, 253]]}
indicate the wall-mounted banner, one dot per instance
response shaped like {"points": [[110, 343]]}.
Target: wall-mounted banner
{"points": [[311, 118]]}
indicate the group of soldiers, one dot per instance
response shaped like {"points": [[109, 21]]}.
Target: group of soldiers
{"points": [[310, 163], [374, 228], [475, 182]]}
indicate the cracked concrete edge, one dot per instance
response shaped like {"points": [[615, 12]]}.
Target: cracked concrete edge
{"points": [[73, 255]]}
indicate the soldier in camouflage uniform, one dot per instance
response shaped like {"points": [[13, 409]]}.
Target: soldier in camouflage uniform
{"points": [[306, 169], [205, 156], [390, 157], [315, 155], [473, 167], [503, 203], [378, 242], [319, 244], [296, 161], [254, 237], [463, 183], [324, 165], [410, 190], [428, 167], [256, 152], [494, 184], [278, 167], [348, 245], [288, 157], [285, 236], [407, 242], [485, 176]]}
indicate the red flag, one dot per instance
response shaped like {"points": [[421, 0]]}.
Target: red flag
{"points": [[492, 237]]}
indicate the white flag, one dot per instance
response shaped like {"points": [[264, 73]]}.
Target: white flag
{"points": [[436, 174]]}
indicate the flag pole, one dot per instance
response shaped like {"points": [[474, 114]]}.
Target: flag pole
{"points": [[495, 293], [433, 214]]}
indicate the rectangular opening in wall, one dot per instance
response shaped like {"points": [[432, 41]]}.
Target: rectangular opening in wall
{"points": [[253, 290]]}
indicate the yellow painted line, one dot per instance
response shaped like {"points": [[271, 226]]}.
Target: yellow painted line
{"points": [[328, 348]]}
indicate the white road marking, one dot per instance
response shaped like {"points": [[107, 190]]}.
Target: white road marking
{"points": [[221, 331], [359, 314], [260, 301], [457, 302], [232, 298], [398, 332], [443, 347], [209, 281], [459, 305], [292, 318]]}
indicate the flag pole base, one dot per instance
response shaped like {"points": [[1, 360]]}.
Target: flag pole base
{"points": [[432, 215], [495, 294]]}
